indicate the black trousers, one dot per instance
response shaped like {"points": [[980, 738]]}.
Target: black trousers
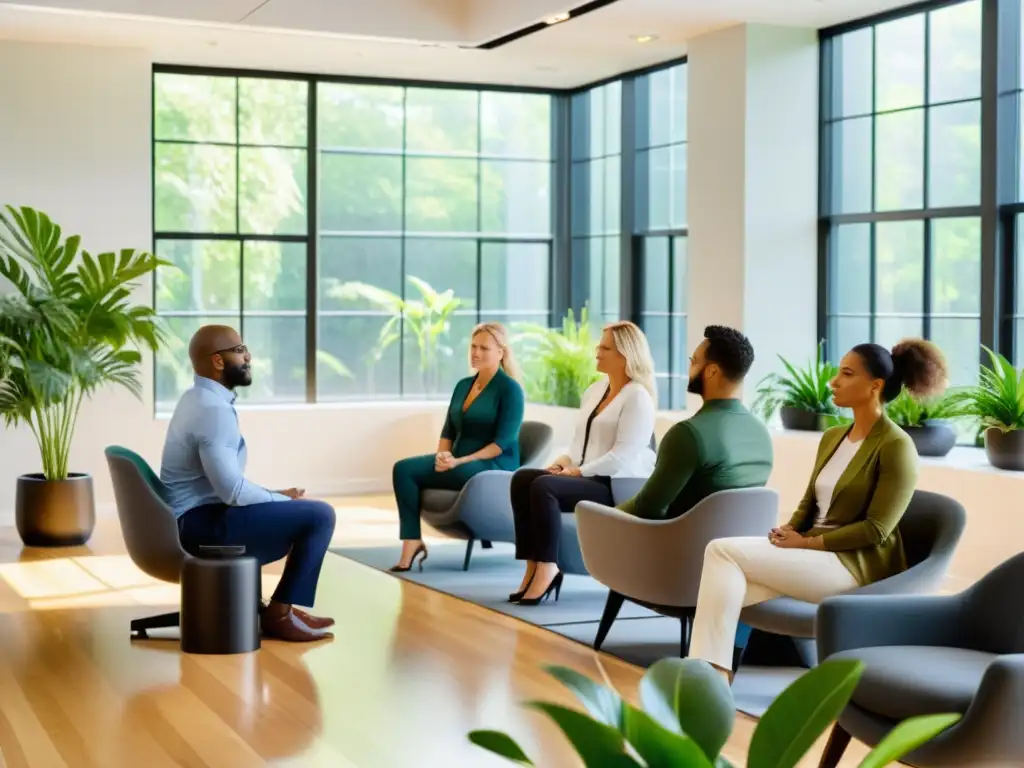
{"points": [[539, 499]]}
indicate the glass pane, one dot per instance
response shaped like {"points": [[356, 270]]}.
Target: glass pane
{"points": [[1019, 336], [278, 349], [273, 112], [899, 63], [592, 108], [680, 279], [850, 269], [899, 267], [656, 288], [441, 120], [273, 195], [666, 186], [347, 264], [680, 358], [667, 101], [891, 330], [582, 145], [584, 176], [612, 196], [205, 276], [594, 217], [173, 370], [515, 124], [274, 276], [851, 166], [443, 265], [361, 193], [195, 188], [442, 195], [357, 357], [613, 117], [844, 333], [677, 187], [612, 277], [443, 361], [955, 52], [194, 108], [899, 161], [590, 252], [656, 329], [960, 341], [516, 197], [851, 62], [954, 162], [956, 266], [515, 276], [360, 116], [1019, 252], [678, 401]]}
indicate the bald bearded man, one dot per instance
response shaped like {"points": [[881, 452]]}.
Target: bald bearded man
{"points": [[203, 465]]}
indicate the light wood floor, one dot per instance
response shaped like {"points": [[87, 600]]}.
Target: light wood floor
{"points": [[408, 674]]}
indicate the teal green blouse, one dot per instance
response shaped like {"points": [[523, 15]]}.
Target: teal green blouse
{"points": [[494, 417]]}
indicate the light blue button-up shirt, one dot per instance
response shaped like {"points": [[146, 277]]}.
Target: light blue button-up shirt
{"points": [[204, 452]]}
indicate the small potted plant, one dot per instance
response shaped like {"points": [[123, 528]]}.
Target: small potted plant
{"points": [[928, 422], [802, 396], [67, 328], [998, 402], [686, 716]]}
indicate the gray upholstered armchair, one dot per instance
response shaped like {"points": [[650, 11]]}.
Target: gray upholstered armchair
{"points": [[658, 563], [931, 529], [933, 654], [482, 510]]}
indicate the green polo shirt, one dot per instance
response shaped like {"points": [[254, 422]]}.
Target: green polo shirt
{"points": [[720, 447]]}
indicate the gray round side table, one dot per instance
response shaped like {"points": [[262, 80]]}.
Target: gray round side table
{"points": [[220, 600]]}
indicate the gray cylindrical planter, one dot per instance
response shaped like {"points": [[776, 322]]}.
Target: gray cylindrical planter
{"points": [[799, 419], [1005, 449], [933, 438], [55, 513]]}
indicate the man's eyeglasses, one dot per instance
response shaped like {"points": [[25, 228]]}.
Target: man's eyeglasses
{"points": [[241, 349]]}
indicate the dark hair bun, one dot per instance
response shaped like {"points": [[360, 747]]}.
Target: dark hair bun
{"points": [[920, 366]]}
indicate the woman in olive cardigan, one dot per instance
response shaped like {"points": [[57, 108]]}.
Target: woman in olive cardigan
{"points": [[481, 431], [844, 532]]}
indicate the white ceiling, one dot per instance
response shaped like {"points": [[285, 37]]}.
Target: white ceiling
{"points": [[410, 39]]}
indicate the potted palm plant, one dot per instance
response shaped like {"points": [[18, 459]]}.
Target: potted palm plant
{"points": [[67, 328], [998, 402], [558, 362], [928, 422], [686, 716], [801, 395]]}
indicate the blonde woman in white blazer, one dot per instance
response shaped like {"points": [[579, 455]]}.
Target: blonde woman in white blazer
{"points": [[612, 439]]}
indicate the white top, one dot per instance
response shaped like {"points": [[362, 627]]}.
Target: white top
{"points": [[829, 476], [620, 436]]}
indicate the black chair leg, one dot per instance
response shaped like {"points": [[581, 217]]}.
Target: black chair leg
{"points": [[685, 625], [469, 554], [486, 544], [611, 610], [838, 741], [163, 621]]}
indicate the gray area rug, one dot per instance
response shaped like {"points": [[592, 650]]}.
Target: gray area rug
{"points": [[638, 636]]}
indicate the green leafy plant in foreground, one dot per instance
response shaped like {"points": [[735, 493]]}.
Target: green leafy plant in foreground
{"points": [[558, 362], [804, 388], [998, 399], [909, 411], [68, 328], [686, 716]]}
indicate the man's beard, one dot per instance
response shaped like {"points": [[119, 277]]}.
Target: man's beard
{"points": [[696, 384], [237, 376]]}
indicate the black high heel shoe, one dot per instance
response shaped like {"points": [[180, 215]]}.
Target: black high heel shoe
{"points": [[420, 550], [515, 597], [555, 586]]}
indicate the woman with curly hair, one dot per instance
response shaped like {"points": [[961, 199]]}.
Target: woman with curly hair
{"points": [[844, 533]]}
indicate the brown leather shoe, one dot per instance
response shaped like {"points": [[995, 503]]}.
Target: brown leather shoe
{"points": [[291, 628], [311, 621]]}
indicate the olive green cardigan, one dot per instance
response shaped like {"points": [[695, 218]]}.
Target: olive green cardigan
{"points": [[868, 501]]}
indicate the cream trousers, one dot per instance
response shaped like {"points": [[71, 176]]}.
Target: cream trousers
{"points": [[745, 571]]}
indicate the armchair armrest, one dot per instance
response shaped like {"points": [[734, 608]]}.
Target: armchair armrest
{"points": [[850, 621], [990, 729], [660, 561], [485, 506]]}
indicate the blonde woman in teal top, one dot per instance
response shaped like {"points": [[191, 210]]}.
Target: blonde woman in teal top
{"points": [[481, 431]]}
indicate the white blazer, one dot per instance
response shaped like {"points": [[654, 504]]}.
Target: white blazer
{"points": [[620, 436]]}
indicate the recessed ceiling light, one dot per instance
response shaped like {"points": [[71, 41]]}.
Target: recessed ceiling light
{"points": [[556, 19], [645, 38]]}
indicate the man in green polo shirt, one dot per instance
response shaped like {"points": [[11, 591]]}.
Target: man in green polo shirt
{"points": [[722, 446]]}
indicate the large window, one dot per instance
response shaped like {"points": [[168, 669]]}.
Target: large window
{"points": [[902, 194], [354, 234], [597, 199], [660, 225]]}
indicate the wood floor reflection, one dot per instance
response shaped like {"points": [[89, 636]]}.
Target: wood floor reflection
{"points": [[408, 674]]}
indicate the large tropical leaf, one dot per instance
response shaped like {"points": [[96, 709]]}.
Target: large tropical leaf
{"points": [[598, 745], [662, 747], [603, 704], [500, 744], [906, 737]]}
